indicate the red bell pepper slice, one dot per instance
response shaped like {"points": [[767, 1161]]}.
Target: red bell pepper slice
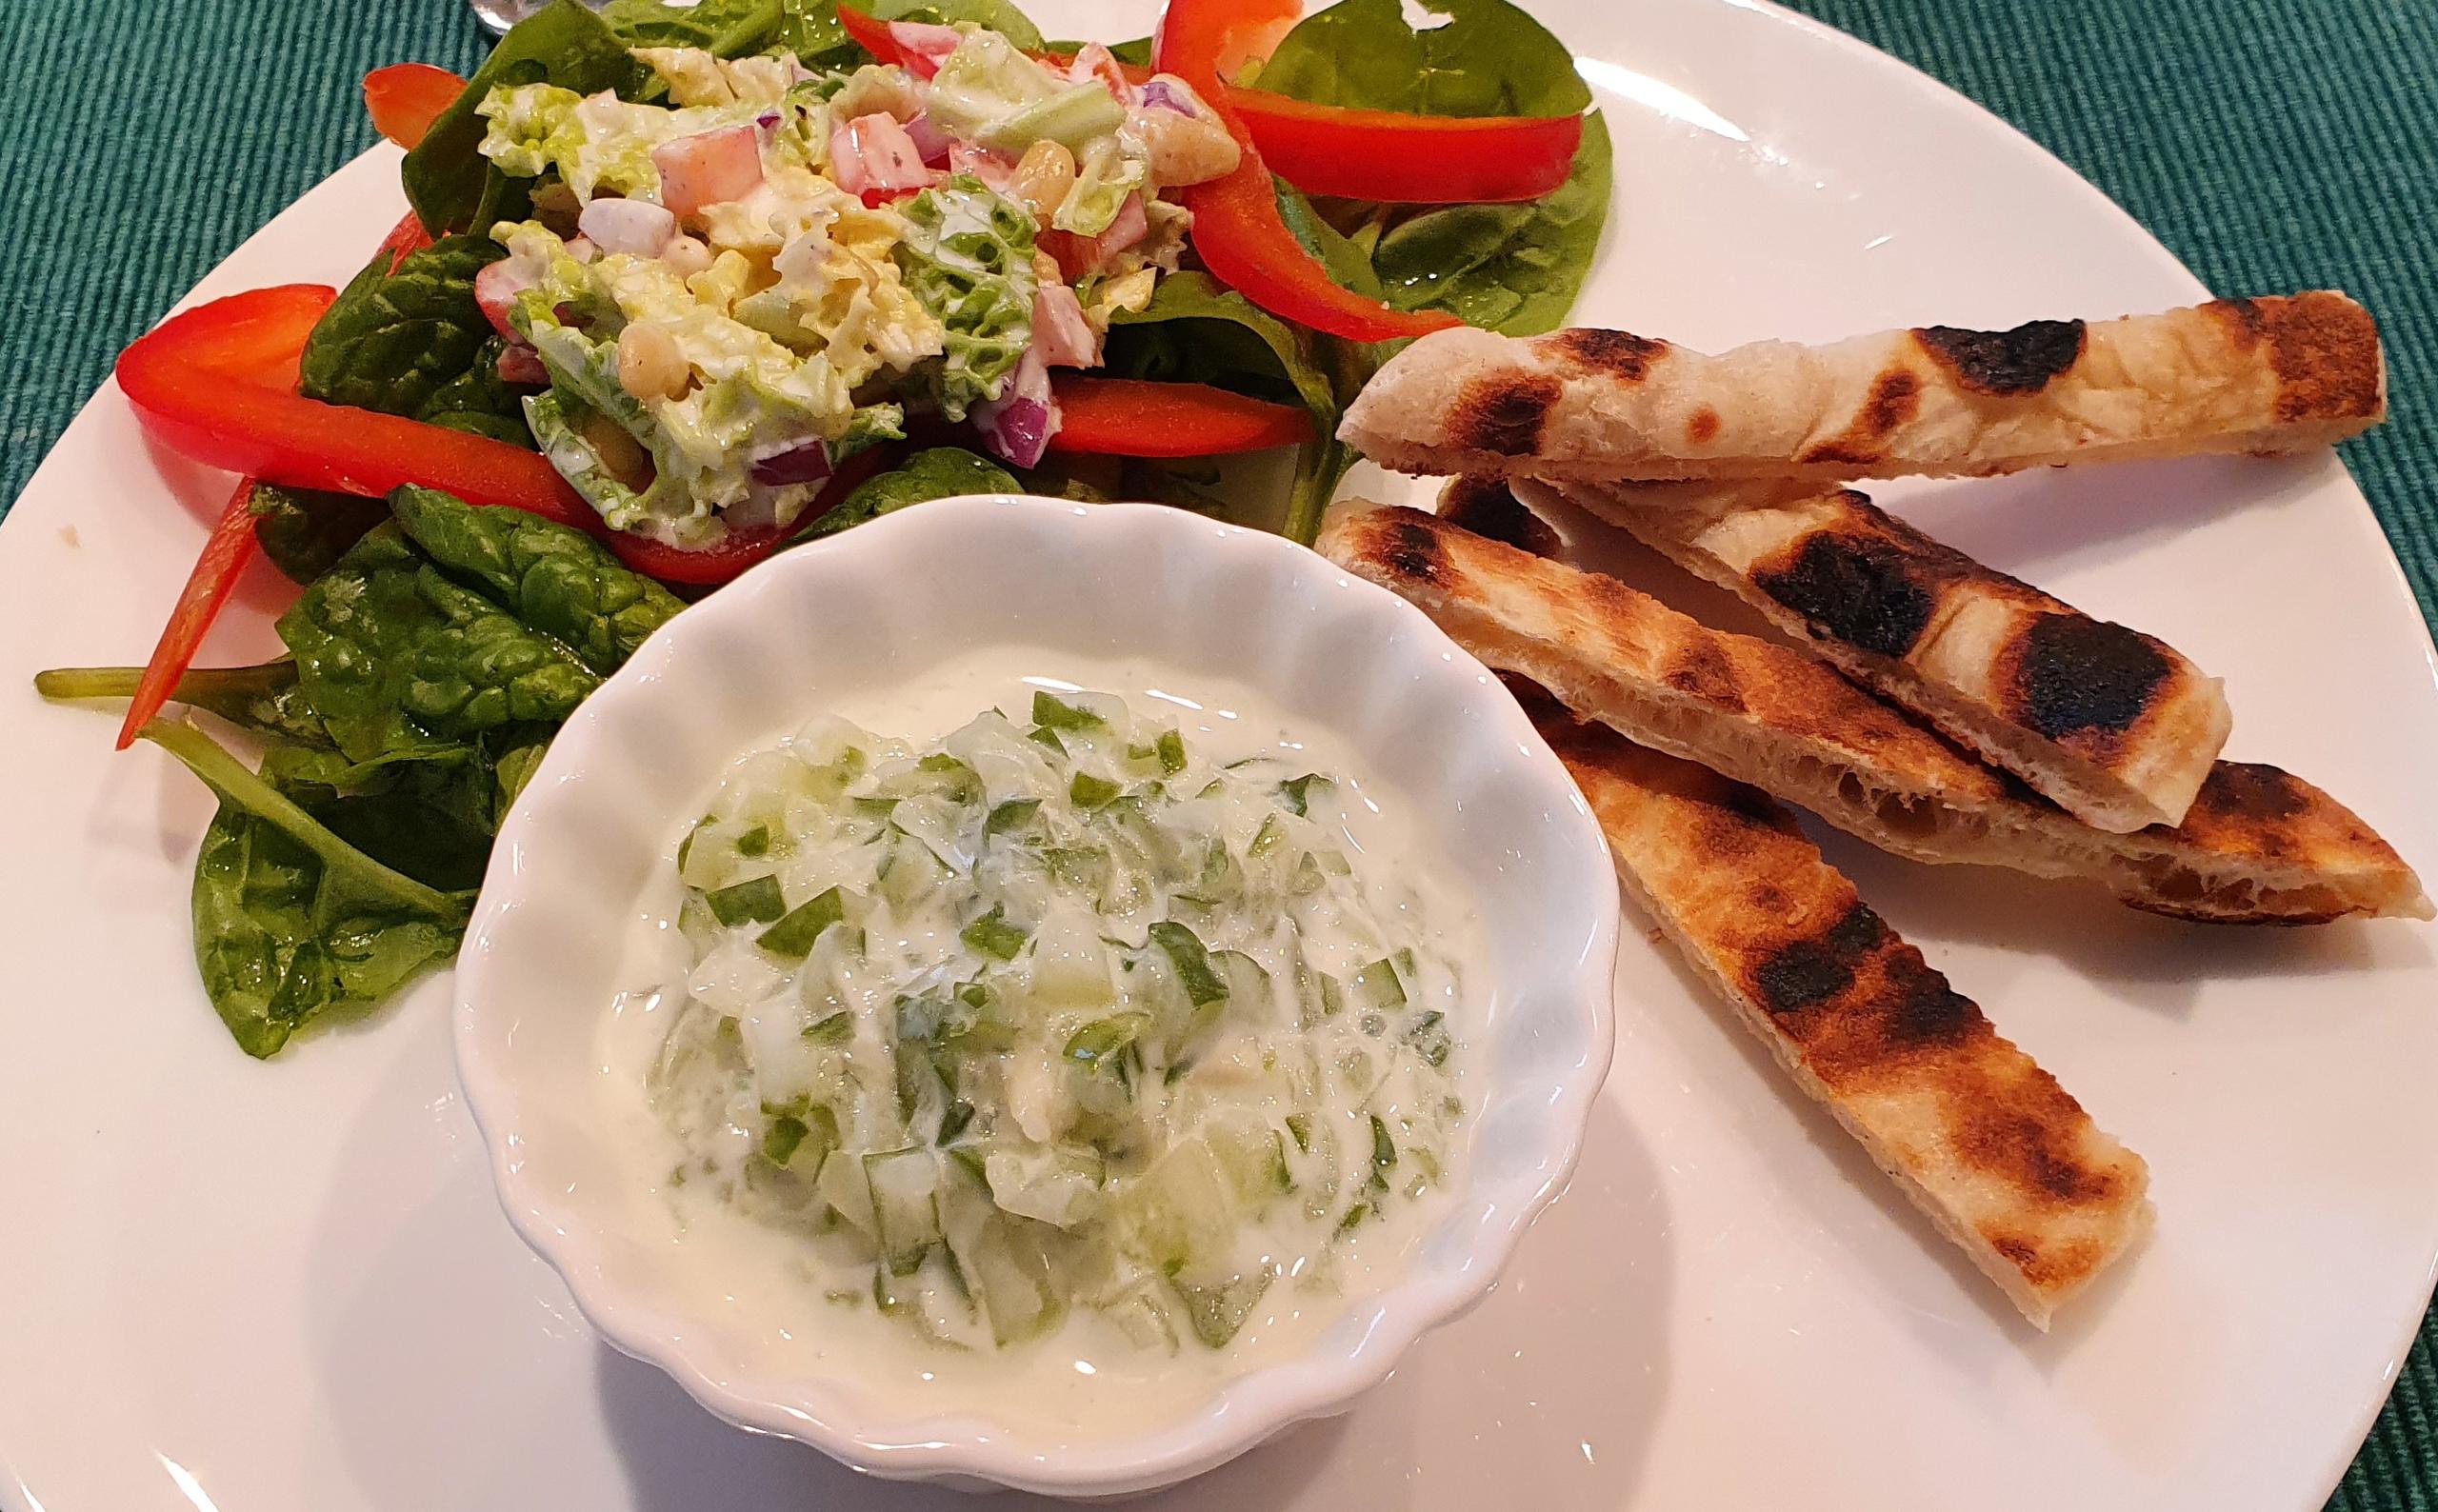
{"points": [[206, 383], [1408, 159], [1237, 228], [407, 236], [1133, 417], [226, 553], [404, 98]]}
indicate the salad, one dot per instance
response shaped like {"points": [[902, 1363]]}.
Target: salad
{"points": [[682, 286]]}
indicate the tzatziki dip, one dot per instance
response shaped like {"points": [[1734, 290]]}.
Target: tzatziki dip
{"points": [[1052, 1048]]}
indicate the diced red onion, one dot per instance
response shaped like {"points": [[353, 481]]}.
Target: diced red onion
{"points": [[873, 154], [1017, 425], [768, 120], [520, 363], [638, 227], [798, 462], [581, 249], [930, 140], [712, 167], [1060, 332], [926, 46], [1164, 94], [495, 290]]}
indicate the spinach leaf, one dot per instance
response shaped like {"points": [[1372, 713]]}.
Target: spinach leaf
{"points": [[265, 699], [445, 176], [1486, 58], [398, 657], [291, 920], [1137, 51], [1196, 330], [429, 820], [811, 30], [995, 15], [556, 580], [305, 531], [1514, 268], [728, 28], [414, 343], [938, 472]]}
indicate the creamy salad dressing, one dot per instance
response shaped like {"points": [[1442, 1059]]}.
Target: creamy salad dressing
{"points": [[1089, 1376]]}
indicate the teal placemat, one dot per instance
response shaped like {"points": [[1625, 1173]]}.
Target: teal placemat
{"points": [[2273, 146]]}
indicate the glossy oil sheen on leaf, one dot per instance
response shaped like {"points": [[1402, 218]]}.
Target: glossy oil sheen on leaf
{"points": [[1513, 268], [305, 531], [1486, 58], [728, 28], [554, 579], [396, 656], [937, 472], [291, 920], [414, 343]]}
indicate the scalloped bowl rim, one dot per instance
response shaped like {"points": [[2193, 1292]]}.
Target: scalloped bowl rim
{"points": [[966, 1449]]}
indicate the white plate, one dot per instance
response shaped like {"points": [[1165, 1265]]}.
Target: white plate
{"points": [[286, 1286]]}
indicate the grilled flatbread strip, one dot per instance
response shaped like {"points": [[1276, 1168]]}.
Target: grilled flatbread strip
{"points": [[2244, 375], [2257, 846], [2114, 726], [2002, 1160]]}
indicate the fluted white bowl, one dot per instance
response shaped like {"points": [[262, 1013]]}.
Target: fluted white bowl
{"points": [[872, 609]]}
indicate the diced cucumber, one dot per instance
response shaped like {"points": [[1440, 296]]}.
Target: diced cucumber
{"points": [[1170, 747], [1185, 951], [1013, 817], [1295, 795], [905, 1186], [1248, 993], [1100, 1043], [909, 873], [1058, 1184], [849, 1192], [1087, 791], [1378, 987], [1051, 712], [1429, 1038], [1182, 1213], [1217, 1310], [791, 938], [992, 935], [1271, 834], [757, 899]]}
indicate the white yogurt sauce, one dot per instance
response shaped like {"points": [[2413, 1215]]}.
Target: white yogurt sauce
{"points": [[1084, 1380]]}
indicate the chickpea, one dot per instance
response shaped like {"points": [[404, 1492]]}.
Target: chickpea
{"points": [[1043, 176], [685, 255], [1185, 148], [649, 364]]}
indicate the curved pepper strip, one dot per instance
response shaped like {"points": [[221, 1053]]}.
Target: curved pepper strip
{"points": [[1237, 228], [404, 98], [1403, 159], [217, 384], [203, 383], [1135, 417], [227, 552]]}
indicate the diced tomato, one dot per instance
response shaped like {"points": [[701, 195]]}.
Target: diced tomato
{"points": [[709, 168]]}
